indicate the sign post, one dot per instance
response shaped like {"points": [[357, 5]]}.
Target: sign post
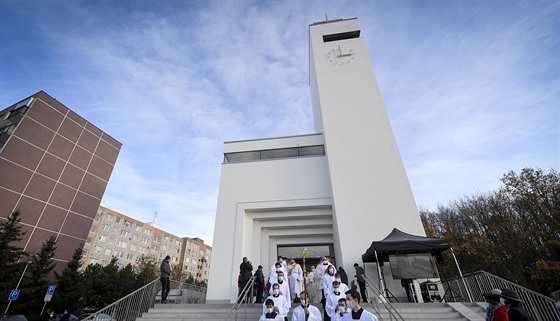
{"points": [[48, 296]]}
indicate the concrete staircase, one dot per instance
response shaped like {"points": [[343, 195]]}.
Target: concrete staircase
{"points": [[220, 312]]}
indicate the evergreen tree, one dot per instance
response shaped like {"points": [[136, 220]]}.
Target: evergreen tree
{"points": [[35, 283], [10, 252], [69, 292]]}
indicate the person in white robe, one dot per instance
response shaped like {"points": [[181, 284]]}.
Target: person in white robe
{"points": [[356, 311], [343, 286], [332, 300], [341, 309], [305, 311], [296, 279], [312, 286], [281, 304], [283, 286], [270, 314], [274, 268], [327, 280]]}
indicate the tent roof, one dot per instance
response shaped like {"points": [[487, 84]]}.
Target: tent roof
{"points": [[399, 242]]}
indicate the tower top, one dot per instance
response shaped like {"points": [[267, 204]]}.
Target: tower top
{"points": [[330, 21]]}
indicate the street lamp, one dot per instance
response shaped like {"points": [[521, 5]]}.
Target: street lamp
{"points": [[17, 286]]}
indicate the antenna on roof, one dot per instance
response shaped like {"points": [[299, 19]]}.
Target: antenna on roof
{"points": [[154, 220], [326, 17]]}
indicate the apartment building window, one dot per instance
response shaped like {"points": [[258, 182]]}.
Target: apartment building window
{"points": [[107, 251], [84, 252], [154, 248], [102, 238], [186, 260], [133, 247], [118, 220], [176, 251], [88, 240], [177, 243], [97, 218], [110, 217], [138, 228], [135, 237], [115, 230], [157, 239], [92, 229], [93, 261], [119, 254], [130, 257], [145, 240], [111, 240], [98, 249], [142, 249], [146, 231], [175, 259], [201, 253], [105, 227], [167, 239], [127, 223], [123, 244], [125, 233]]}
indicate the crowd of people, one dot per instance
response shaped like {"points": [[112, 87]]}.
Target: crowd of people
{"points": [[287, 283]]}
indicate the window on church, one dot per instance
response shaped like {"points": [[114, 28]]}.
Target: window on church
{"points": [[342, 36]]}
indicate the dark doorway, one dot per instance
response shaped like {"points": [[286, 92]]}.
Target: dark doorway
{"points": [[314, 253]]}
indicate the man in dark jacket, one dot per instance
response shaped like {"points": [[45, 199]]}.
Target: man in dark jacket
{"points": [[165, 273], [361, 281], [259, 284], [245, 273], [515, 310]]}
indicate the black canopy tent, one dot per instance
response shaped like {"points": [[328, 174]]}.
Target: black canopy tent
{"points": [[399, 242]]}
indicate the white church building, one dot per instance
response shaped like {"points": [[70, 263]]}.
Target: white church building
{"points": [[332, 192]]}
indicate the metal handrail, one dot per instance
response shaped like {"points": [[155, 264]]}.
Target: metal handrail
{"points": [[130, 307], [244, 297], [393, 313], [541, 307]]}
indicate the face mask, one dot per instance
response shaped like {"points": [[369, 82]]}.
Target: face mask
{"points": [[304, 304], [331, 271], [276, 291], [336, 290], [342, 309], [280, 278], [278, 270], [337, 279], [269, 310], [349, 304]]}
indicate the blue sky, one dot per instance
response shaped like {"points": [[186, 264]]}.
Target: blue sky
{"points": [[472, 88]]}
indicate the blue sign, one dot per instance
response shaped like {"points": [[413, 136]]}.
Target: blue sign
{"points": [[13, 295], [51, 289]]}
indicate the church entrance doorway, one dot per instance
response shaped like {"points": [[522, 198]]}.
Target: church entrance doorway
{"points": [[314, 253]]}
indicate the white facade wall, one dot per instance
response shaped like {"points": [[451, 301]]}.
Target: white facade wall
{"points": [[264, 204]]}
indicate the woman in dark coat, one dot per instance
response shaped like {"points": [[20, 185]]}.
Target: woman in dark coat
{"points": [[343, 275]]}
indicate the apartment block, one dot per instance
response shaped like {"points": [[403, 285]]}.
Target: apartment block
{"points": [[54, 168], [113, 234]]}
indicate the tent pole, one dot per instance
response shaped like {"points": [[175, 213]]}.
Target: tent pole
{"points": [[381, 281], [461, 274]]}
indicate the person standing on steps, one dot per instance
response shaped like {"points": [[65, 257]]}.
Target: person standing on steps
{"points": [[165, 274]]}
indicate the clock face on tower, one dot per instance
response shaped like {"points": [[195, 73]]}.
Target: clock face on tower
{"points": [[340, 56]]}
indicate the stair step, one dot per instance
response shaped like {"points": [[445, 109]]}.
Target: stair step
{"points": [[220, 312]]}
